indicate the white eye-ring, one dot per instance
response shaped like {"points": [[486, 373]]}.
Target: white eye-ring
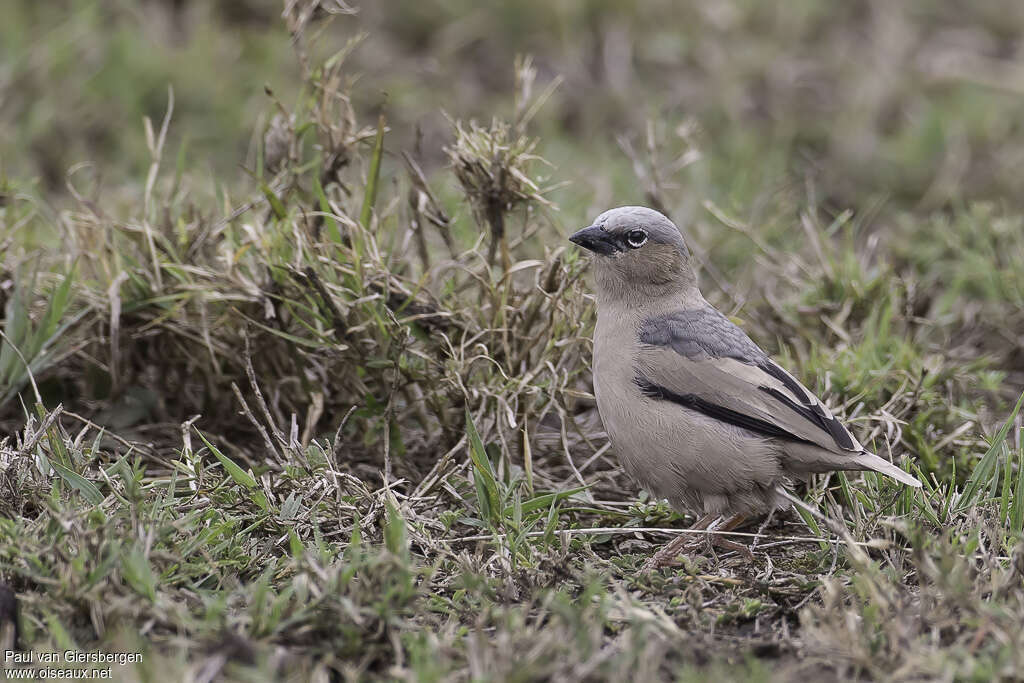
{"points": [[636, 238]]}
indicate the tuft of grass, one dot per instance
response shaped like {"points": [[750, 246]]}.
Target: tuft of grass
{"points": [[492, 166], [31, 346]]}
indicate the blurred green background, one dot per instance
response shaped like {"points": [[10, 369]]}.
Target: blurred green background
{"points": [[917, 105]]}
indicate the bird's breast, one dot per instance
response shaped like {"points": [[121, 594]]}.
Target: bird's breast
{"points": [[619, 401]]}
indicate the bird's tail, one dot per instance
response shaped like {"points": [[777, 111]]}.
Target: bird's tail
{"points": [[873, 462]]}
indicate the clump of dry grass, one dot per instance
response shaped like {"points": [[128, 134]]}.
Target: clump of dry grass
{"points": [[493, 164], [307, 288], [490, 164]]}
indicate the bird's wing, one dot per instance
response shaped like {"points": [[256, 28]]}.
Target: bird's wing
{"points": [[701, 360]]}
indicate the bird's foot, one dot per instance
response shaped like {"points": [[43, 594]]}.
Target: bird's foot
{"points": [[669, 554], [726, 544]]}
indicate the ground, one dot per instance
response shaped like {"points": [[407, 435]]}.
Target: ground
{"points": [[295, 379]]}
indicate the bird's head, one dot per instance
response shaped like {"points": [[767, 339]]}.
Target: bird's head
{"points": [[638, 253]]}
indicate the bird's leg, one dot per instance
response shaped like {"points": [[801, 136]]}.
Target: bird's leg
{"points": [[724, 543], [760, 530], [668, 553]]}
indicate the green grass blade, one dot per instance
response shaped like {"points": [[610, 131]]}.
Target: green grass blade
{"points": [[1006, 492], [237, 474], [275, 202], [546, 499], [373, 178], [16, 323], [139, 574], [987, 467], [325, 208], [396, 538], [487, 485], [1017, 510], [78, 482], [56, 309]]}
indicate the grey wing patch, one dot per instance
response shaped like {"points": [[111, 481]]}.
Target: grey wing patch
{"points": [[700, 333]]}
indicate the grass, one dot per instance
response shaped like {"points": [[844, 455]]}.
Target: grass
{"points": [[331, 417]]}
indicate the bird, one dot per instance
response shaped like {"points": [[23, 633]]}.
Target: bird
{"points": [[696, 412]]}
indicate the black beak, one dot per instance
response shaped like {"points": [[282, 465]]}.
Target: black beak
{"points": [[596, 239]]}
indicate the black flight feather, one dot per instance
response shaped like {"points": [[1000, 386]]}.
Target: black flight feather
{"points": [[717, 412]]}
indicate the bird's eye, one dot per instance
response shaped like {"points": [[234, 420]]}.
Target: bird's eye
{"points": [[636, 238]]}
